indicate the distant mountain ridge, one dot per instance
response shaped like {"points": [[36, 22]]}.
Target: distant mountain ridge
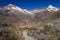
{"points": [[52, 8], [13, 13], [49, 8], [41, 24]]}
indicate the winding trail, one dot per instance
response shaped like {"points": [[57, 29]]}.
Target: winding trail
{"points": [[26, 36]]}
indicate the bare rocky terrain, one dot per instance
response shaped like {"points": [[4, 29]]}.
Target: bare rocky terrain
{"points": [[20, 24]]}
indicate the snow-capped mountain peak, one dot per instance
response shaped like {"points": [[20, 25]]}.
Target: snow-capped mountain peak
{"points": [[52, 8], [13, 7]]}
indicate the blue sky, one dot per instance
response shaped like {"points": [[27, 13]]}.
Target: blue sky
{"points": [[31, 4]]}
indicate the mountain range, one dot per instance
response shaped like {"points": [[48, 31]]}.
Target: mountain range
{"points": [[12, 13], [13, 7], [17, 23]]}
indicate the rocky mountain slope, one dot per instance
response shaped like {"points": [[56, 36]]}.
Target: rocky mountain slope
{"points": [[41, 24]]}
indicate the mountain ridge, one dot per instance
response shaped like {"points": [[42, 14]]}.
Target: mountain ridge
{"points": [[49, 8], [40, 24], [13, 12]]}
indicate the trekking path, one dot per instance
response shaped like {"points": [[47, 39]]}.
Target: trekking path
{"points": [[26, 36]]}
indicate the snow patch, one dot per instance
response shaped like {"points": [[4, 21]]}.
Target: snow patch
{"points": [[52, 8], [25, 10]]}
